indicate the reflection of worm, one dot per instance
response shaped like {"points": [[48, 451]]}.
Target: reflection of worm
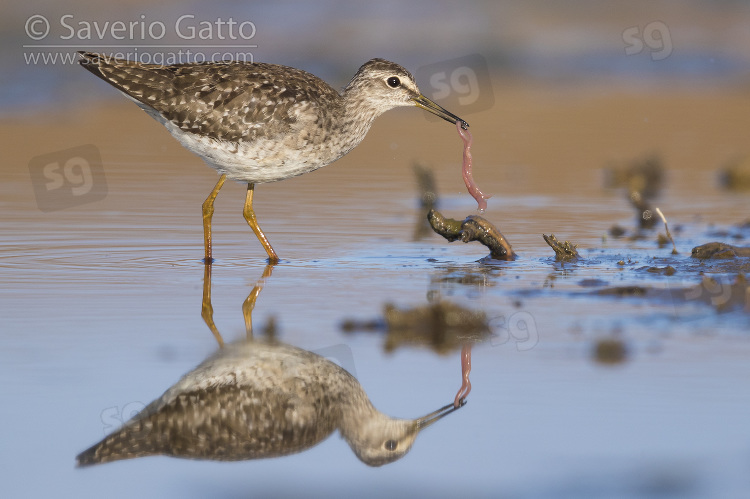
{"points": [[465, 389], [468, 179]]}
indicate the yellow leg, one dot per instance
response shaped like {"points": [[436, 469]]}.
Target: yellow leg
{"points": [[207, 310], [252, 221], [249, 304], [208, 213]]}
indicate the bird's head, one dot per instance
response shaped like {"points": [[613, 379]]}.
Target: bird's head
{"points": [[385, 85], [380, 439]]}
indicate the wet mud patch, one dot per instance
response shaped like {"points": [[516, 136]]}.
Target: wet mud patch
{"points": [[644, 273], [721, 294], [716, 282], [441, 326]]}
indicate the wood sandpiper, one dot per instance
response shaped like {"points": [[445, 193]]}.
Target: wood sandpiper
{"points": [[261, 399], [256, 122]]}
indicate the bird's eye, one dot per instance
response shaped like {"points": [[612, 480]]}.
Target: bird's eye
{"points": [[390, 445], [393, 82]]}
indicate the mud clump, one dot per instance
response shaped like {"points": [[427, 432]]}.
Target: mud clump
{"points": [[736, 175], [644, 175], [718, 251], [668, 270], [565, 251], [473, 228], [644, 209], [643, 180], [441, 326], [617, 231], [610, 351], [624, 291]]}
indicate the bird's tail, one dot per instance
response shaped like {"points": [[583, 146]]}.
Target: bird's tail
{"points": [[129, 442], [146, 83]]}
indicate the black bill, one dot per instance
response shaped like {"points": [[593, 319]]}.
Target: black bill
{"points": [[429, 419], [437, 110]]}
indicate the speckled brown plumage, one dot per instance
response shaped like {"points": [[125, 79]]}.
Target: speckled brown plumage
{"points": [[220, 100], [265, 122], [218, 423], [257, 122], [256, 400]]}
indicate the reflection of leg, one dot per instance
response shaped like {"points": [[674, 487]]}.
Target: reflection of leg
{"points": [[207, 310], [252, 221], [208, 213], [249, 304]]}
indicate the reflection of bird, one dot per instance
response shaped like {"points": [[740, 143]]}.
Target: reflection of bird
{"points": [[259, 399], [257, 122]]}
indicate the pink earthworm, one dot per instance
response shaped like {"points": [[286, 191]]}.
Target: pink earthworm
{"points": [[465, 389], [468, 179]]}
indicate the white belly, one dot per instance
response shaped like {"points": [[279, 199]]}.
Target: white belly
{"points": [[263, 160]]}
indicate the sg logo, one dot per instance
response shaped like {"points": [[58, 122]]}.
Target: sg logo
{"points": [[520, 326], [339, 354], [68, 178], [655, 36], [462, 80], [114, 417], [461, 85]]}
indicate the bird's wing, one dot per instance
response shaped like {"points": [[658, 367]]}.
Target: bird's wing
{"points": [[230, 101], [221, 423]]}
